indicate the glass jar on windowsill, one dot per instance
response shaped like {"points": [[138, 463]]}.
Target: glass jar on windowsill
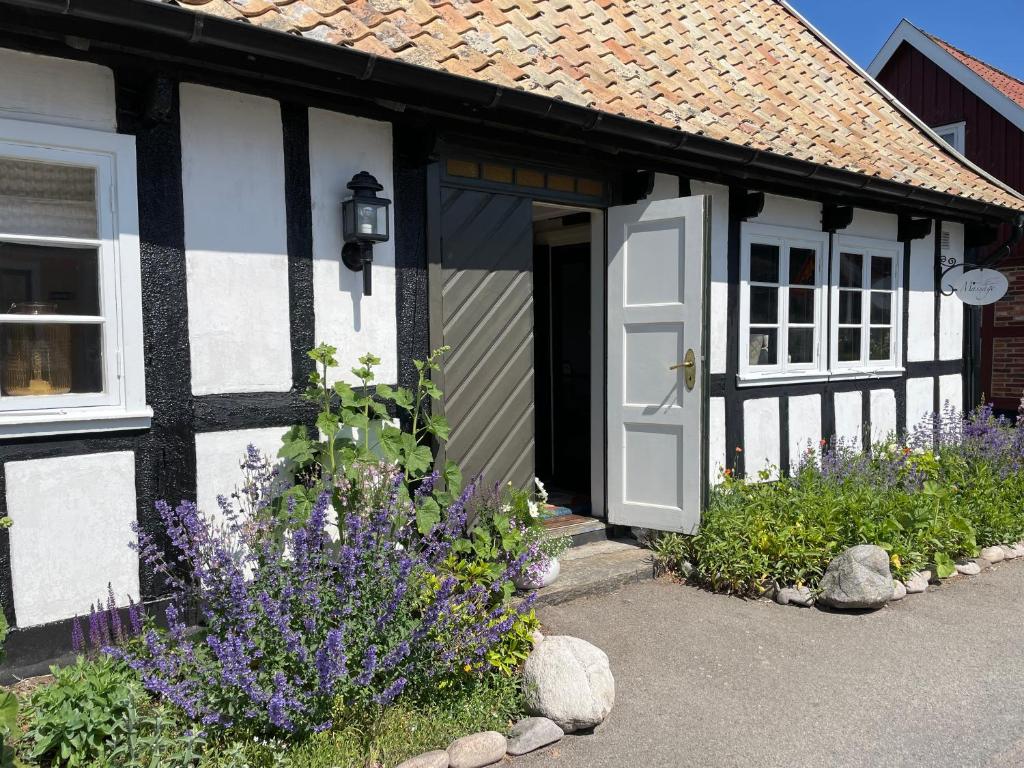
{"points": [[37, 356]]}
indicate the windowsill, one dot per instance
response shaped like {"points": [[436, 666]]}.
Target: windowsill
{"points": [[815, 377], [69, 421]]}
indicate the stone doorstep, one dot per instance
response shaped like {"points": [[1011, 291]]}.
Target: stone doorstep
{"points": [[582, 529], [591, 569]]}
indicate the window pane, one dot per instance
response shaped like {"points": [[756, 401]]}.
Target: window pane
{"points": [[764, 263], [801, 266], [50, 359], [65, 279], [881, 308], [879, 344], [801, 305], [851, 270], [47, 199], [849, 344], [849, 308], [801, 345], [763, 346], [881, 272], [764, 305]]}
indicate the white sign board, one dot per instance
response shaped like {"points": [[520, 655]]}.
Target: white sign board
{"points": [[981, 286]]}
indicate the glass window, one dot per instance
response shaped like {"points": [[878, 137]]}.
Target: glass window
{"points": [[866, 297], [781, 302]]}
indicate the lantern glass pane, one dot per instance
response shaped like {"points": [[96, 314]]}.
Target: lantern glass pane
{"points": [[348, 224]]}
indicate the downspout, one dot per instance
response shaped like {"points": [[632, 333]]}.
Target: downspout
{"points": [[1004, 250]]}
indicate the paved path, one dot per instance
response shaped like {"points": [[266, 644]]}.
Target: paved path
{"points": [[707, 680]]}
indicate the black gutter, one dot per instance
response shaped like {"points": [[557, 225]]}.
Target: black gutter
{"points": [[175, 23]]}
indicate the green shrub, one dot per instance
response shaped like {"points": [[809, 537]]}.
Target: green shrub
{"points": [[953, 486], [74, 720]]}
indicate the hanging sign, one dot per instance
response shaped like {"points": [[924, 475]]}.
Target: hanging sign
{"points": [[981, 286]]}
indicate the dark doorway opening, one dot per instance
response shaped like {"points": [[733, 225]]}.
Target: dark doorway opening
{"points": [[562, 352]]}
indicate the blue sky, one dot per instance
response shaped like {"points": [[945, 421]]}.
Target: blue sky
{"points": [[988, 29]]}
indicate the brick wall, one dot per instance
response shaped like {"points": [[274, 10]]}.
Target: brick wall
{"points": [[1007, 349]]}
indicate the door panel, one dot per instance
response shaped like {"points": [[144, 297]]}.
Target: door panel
{"points": [[656, 253], [486, 316]]}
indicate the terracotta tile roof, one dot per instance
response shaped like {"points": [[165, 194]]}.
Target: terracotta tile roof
{"points": [[747, 72], [1007, 84]]}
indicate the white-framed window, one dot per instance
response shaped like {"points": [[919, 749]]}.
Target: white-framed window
{"points": [[954, 134], [70, 295], [782, 296], [866, 305], [806, 318]]}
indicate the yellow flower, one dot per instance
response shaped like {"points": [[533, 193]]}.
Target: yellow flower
{"points": [[895, 560], [467, 668]]}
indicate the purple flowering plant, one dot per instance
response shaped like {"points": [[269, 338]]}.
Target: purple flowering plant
{"points": [[350, 604]]}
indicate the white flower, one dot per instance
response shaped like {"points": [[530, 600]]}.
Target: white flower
{"points": [[398, 546], [542, 492], [534, 508]]}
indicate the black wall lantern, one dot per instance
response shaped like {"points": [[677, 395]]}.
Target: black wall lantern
{"points": [[364, 221]]}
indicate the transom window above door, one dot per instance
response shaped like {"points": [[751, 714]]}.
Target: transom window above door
{"points": [[808, 311], [70, 304]]}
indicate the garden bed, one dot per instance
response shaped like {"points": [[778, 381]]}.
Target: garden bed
{"points": [[937, 496]]}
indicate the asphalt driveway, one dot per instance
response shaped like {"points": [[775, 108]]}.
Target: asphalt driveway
{"points": [[707, 680]]}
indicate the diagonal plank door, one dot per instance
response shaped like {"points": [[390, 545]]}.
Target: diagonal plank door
{"points": [[486, 317]]}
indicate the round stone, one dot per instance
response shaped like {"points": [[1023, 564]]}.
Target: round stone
{"points": [[569, 681]]}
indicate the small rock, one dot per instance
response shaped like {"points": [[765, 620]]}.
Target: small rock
{"points": [[858, 578], [795, 596], [918, 582], [1019, 549], [537, 636], [899, 589], [968, 567], [1009, 553], [435, 759], [477, 750], [531, 734], [686, 569], [568, 680], [993, 554]]}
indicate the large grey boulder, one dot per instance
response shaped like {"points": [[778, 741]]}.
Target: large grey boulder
{"points": [[477, 750], [857, 579], [531, 734], [568, 680]]}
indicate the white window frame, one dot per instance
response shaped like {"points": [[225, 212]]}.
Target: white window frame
{"points": [[959, 131], [122, 404], [868, 247], [785, 238]]}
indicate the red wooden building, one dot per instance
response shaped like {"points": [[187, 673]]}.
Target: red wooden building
{"points": [[979, 110]]}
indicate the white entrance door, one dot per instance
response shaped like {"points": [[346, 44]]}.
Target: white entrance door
{"points": [[656, 254]]}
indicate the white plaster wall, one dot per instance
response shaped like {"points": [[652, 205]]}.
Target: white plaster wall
{"points": [[884, 226], [339, 147], [45, 89], [951, 309], [920, 401], [761, 437], [804, 426], [790, 212], [848, 418], [883, 415], [219, 457], [232, 158], [716, 440], [70, 536], [951, 392], [719, 310], [666, 187], [921, 302]]}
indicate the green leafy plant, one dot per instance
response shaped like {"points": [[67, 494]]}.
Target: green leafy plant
{"points": [[75, 719], [8, 710]]}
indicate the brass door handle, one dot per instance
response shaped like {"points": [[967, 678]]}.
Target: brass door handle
{"points": [[689, 366]]}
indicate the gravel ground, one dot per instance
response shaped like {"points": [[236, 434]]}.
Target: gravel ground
{"points": [[708, 680]]}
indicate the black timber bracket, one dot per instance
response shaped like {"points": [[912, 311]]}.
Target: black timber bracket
{"points": [[636, 186], [910, 228], [835, 217], [750, 205]]}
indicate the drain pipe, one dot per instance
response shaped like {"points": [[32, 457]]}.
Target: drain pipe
{"points": [[1004, 250]]}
